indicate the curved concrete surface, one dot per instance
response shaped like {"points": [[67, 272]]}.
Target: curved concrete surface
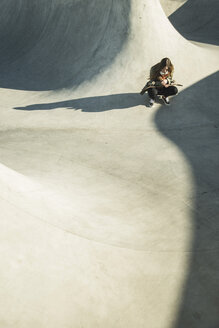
{"points": [[196, 20], [73, 34], [170, 6], [108, 208]]}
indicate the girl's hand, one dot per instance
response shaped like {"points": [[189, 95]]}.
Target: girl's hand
{"points": [[164, 83]]}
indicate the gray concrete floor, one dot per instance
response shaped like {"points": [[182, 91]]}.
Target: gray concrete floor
{"points": [[109, 208]]}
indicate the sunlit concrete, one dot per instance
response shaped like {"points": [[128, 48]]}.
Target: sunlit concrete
{"points": [[170, 6], [104, 202]]}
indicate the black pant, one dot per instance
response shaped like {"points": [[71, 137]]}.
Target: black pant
{"points": [[170, 91]]}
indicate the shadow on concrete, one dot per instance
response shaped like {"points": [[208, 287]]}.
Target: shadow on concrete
{"points": [[197, 20], [53, 44], [94, 104], [192, 123]]}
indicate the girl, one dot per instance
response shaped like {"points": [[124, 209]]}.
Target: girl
{"points": [[162, 74]]}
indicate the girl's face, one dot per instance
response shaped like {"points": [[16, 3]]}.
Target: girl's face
{"points": [[165, 69]]}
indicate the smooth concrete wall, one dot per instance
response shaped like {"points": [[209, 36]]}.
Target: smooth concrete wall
{"points": [[54, 44]]}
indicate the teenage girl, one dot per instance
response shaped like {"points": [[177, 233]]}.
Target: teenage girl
{"points": [[162, 75]]}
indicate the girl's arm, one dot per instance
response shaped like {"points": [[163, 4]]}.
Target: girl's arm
{"points": [[164, 82]]}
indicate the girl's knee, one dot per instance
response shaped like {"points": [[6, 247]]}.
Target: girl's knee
{"points": [[175, 90]]}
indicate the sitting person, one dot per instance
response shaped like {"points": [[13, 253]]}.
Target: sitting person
{"points": [[161, 76]]}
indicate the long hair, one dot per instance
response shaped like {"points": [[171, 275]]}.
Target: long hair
{"points": [[155, 70]]}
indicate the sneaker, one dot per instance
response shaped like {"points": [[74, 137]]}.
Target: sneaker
{"points": [[166, 100], [151, 102]]}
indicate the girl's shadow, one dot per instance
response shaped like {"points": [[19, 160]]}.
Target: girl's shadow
{"points": [[94, 104]]}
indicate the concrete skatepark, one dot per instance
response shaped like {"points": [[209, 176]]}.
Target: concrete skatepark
{"points": [[109, 208]]}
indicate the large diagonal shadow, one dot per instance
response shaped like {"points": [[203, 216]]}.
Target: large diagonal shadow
{"points": [[192, 123], [49, 45], [197, 20], [93, 104]]}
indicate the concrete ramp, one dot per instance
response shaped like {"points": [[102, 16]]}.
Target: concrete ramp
{"points": [[196, 20], [109, 208], [56, 44]]}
